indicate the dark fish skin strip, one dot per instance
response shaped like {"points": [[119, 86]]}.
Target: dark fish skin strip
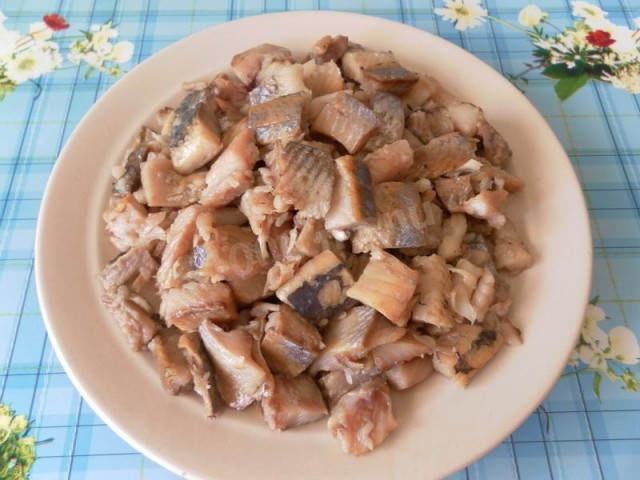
{"points": [[185, 114], [304, 300]]}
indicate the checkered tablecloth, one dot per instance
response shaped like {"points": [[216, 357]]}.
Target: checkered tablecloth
{"points": [[574, 435]]}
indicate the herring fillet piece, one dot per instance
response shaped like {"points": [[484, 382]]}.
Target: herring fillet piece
{"points": [[232, 173], [390, 111], [443, 155], [201, 370], [163, 186], [362, 418], [346, 120], [407, 374], [352, 198], [195, 137], [295, 401], [246, 65], [173, 366], [387, 285], [281, 119], [290, 343], [189, 305], [136, 264], [304, 178], [134, 321], [317, 290], [240, 378], [434, 285], [391, 162]]}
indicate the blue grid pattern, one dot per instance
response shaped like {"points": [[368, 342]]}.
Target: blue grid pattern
{"points": [[572, 435]]}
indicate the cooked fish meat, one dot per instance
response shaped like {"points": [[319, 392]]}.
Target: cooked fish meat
{"points": [[239, 377], [351, 336], [247, 65], [323, 78], [461, 353], [163, 186], [232, 173], [399, 219], [173, 366], [195, 137], [434, 285], [135, 266], [295, 401], [232, 253], [129, 224], [201, 370], [281, 119], [303, 233], [133, 319], [390, 112], [391, 162], [509, 252], [347, 121], [329, 49], [362, 418], [304, 178], [407, 374], [387, 285], [352, 198], [290, 342], [187, 306], [318, 289], [443, 155]]}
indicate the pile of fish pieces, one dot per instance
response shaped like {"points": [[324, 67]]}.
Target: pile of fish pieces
{"points": [[307, 235]]}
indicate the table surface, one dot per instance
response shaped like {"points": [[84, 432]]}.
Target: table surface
{"points": [[573, 435]]}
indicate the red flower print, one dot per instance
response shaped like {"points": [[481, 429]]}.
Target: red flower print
{"points": [[55, 22], [600, 38]]}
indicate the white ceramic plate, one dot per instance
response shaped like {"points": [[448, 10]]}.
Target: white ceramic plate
{"points": [[441, 428]]}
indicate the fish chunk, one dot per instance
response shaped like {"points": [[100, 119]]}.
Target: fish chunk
{"points": [[427, 125], [352, 198], [336, 383], [392, 79], [136, 266], [134, 320], [323, 78], [173, 366], [443, 155], [318, 290], [390, 112], [466, 118], [179, 243], [410, 346], [329, 49], [387, 285], [346, 120], [494, 146], [486, 205], [281, 119], [453, 231], [188, 306], [195, 137], [434, 285], [461, 353], [454, 191], [377, 71], [312, 239], [420, 92], [230, 94], [232, 253], [295, 402], [129, 224], [239, 376], [290, 342], [163, 186], [509, 252], [250, 290], [349, 338], [407, 374], [232, 173], [304, 178], [278, 79], [257, 204], [362, 418], [247, 65], [399, 219], [201, 370], [390, 162]]}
